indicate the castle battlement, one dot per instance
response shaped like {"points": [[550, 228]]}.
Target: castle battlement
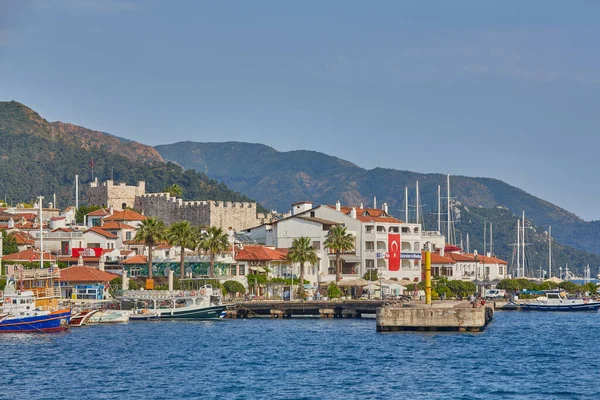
{"points": [[224, 214], [118, 196]]}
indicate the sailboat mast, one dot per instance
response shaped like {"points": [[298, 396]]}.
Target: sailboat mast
{"points": [[550, 252], [491, 240], [40, 199], [417, 221], [406, 204], [484, 236], [518, 248], [448, 206], [76, 192], [523, 245], [468, 244], [439, 209]]}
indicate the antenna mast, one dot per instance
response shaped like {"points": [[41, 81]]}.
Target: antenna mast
{"points": [[518, 248], [550, 252], [406, 204], [417, 212], [439, 209], [448, 207], [523, 244]]}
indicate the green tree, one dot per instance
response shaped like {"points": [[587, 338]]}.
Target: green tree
{"points": [[234, 287], [151, 232], [82, 211], [9, 244], [371, 275], [184, 235], [174, 190], [333, 291], [214, 241], [569, 287], [339, 241], [302, 252]]}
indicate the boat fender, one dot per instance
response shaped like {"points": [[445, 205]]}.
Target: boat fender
{"points": [[193, 293], [180, 294], [202, 292]]}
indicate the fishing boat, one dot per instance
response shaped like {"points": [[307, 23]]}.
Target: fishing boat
{"points": [[19, 313], [558, 301], [82, 317], [109, 317], [202, 304]]}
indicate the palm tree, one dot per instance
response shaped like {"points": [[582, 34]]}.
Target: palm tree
{"points": [[301, 252], [150, 232], [340, 242], [174, 190], [184, 235], [214, 241]]}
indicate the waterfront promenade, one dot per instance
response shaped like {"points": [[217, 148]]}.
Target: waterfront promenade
{"points": [[314, 308]]}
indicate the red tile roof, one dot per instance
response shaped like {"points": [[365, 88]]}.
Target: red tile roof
{"points": [[100, 231], [22, 239], [85, 274], [126, 215], [437, 259], [63, 230], [27, 256], [139, 259], [57, 218], [101, 212], [460, 257], [116, 225], [260, 253], [369, 214], [489, 260]]}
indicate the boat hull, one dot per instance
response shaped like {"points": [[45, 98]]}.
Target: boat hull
{"points": [[590, 307], [203, 313], [54, 322]]}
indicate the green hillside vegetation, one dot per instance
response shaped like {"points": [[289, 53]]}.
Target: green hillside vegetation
{"points": [[278, 179], [35, 159]]}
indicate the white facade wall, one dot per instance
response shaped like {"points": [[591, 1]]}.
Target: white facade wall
{"points": [[91, 237]]}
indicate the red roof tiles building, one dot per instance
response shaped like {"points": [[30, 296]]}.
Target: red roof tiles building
{"points": [[85, 274], [126, 215], [260, 253], [28, 255]]}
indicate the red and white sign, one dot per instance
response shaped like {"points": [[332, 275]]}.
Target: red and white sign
{"points": [[93, 252], [394, 251]]}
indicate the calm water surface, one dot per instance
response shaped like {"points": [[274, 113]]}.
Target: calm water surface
{"points": [[520, 356]]}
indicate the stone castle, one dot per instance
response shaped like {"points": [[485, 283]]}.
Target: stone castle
{"points": [[169, 209], [118, 196]]}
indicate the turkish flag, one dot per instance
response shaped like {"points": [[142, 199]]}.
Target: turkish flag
{"points": [[394, 251]]}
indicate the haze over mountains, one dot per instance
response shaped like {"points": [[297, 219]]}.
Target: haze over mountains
{"points": [[39, 157]]}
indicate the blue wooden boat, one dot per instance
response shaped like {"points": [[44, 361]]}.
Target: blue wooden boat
{"points": [[558, 301], [20, 315]]}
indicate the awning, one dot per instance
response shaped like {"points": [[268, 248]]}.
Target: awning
{"points": [[258, 269]]}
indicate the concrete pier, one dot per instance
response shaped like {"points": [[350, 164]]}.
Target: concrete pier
{"points": [[440, 316]]}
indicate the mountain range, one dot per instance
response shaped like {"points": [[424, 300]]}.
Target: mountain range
{"points": [[41, 157]]}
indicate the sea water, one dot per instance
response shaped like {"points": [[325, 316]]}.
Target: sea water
{"points": [[519, 356]]}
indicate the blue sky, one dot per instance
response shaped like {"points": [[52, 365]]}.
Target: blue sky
{"points": [[504, 89]]}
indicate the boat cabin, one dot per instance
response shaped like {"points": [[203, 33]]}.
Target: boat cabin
{"points": [[20, 303]]}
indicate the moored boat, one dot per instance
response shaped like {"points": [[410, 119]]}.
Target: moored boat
{"points": [[82, 317], [109, 317], [558, 301], [202, 304], [20, 314]]}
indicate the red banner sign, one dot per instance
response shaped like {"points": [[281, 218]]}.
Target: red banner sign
{"points": [[394, 251], [93, 252]]}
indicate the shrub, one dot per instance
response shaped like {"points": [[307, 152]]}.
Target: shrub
{"points": [[234, 287], [333, 291]]}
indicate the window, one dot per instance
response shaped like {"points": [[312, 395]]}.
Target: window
{"points": [[312, 214], [93, 245], [317, 245], [394, 229], [369, 228], [96, 222], [242, 270], [487, 270], [370, 264], [233, 270], [405, 229], [370, 245], [501, 270], [381, 228], [127, 235]]}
